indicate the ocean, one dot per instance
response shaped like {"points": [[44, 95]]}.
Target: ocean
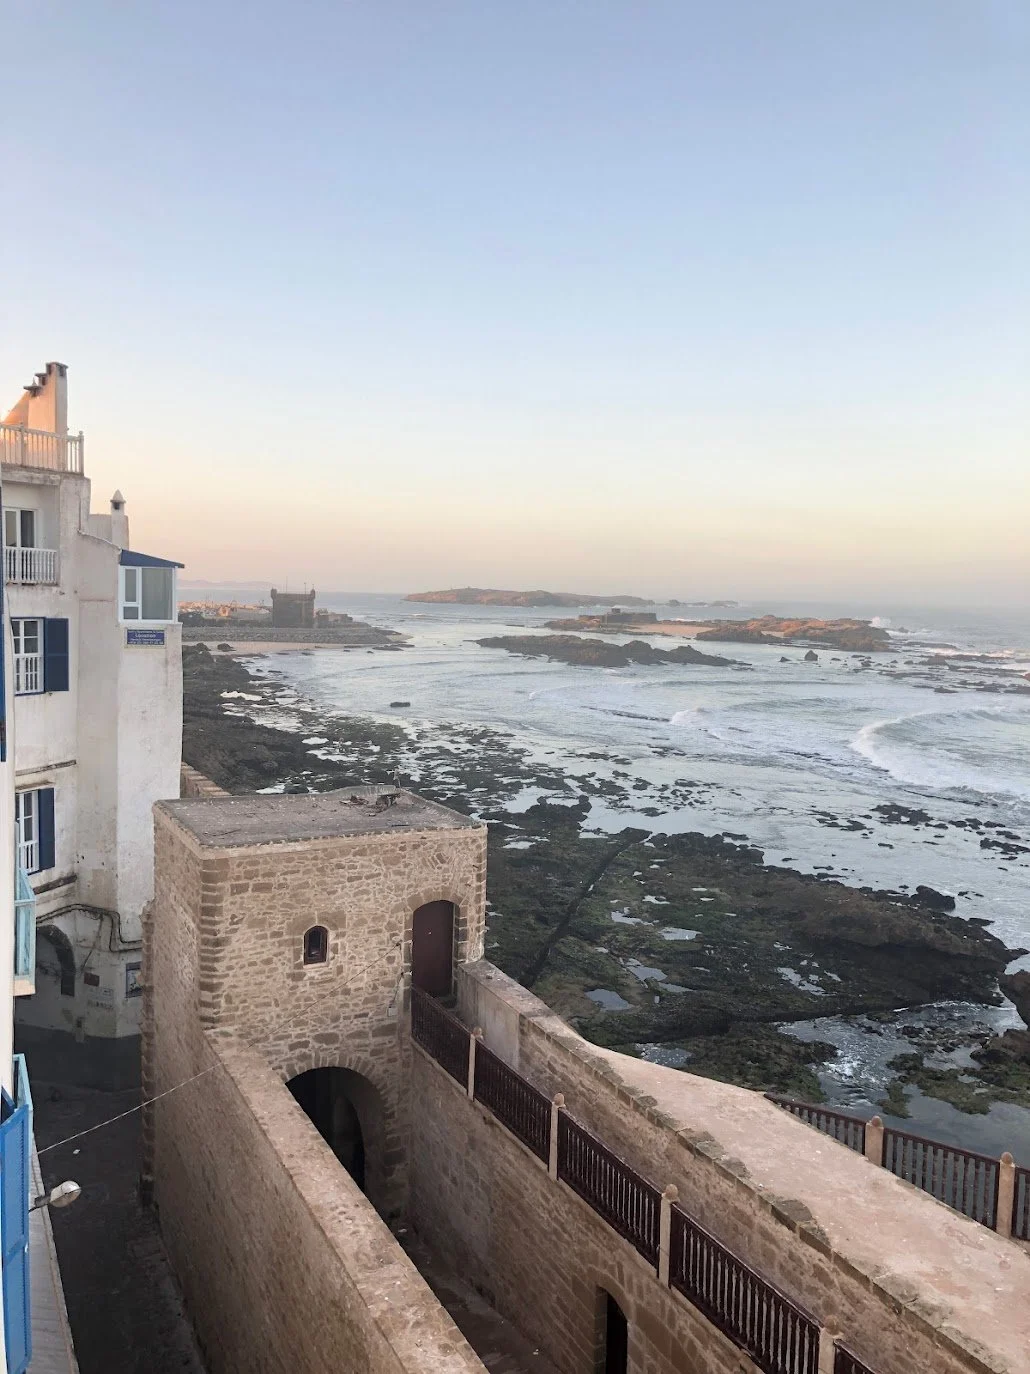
{"points": [[796, 756]]}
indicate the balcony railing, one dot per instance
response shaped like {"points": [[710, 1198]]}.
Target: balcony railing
{"points": [[28, 674], [24, 936], [39, 448], [30, 565]]}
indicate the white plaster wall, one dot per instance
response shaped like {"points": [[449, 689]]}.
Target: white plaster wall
{"points": [[110, 747], [149, 758], [48, 721], [100, 1006]]}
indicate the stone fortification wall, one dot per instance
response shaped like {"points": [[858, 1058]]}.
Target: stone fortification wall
{"points": [[193, 783], [225, 949], [914, 1286], [285, 1266], [537, 1252]]}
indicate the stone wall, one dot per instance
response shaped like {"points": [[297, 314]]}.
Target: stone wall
{"points": [[914, 1286], [194, 783], [285, 1266], [536, 1251], [225, 949]]}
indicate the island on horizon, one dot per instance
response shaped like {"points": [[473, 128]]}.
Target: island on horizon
{"points": [[491, 596]]}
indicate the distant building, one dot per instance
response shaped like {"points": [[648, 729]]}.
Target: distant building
{"points": [[617, 617], [97, 684], [293, 610]]}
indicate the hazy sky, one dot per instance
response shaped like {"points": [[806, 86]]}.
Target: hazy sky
{"points": [[682, 298]]}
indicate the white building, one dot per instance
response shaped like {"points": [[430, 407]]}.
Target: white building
{"points": [[97, 682]]}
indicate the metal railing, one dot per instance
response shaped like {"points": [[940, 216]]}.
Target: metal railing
{"points": [[616, 1192], [28, 673], [844, 1362], [778, 1335], [848, 1129], [30, 565], [963, 1179], [440, 1034], [517, 1104], [41, 448], [24, 929], [1021, 1206]]}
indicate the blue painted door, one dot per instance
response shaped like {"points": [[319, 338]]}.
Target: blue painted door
{"points": [[15, 1147]]}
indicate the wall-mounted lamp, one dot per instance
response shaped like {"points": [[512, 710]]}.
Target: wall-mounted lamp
{"points": [[62, 1196]]}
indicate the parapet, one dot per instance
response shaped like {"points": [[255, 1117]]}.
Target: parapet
{"points": [[275, 818]]}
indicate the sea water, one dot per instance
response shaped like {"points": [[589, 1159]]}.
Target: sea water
{"points": [[784, 753]]}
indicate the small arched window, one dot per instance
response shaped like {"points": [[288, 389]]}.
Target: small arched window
{"points": [[316, 945]]}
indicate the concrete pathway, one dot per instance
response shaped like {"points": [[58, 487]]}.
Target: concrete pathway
{"points": [[502, 1349], [52, 1350]]}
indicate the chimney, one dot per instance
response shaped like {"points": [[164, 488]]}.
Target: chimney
{"points": [[119, 521]]}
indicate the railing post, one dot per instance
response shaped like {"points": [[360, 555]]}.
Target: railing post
{"points": [[669, 1196], [557, 1102], [829, 1335], [1006, 1195], [21, 445], [874, 1140], [474, 1038]]}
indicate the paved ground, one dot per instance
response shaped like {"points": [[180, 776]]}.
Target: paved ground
{"points": [[125, 1310], [502, 1349]]}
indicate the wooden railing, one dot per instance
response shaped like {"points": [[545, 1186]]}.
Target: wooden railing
{"points": [[40, 448], [963, 1179], [517, 1104], [778, 1335], [1021, 1205], [992, 1191], [844, 1362], [440, 1034], [848, 1129], [616, 1192]]}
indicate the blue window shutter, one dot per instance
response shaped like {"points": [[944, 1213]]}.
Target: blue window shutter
{"points": [[45, 807], [55, 656], [15, 1149]]}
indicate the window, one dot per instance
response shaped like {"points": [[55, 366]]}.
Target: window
{"points": [[34, 825], [148, 594], [40, 655], [316, 945], [19, 528], [28, 656]]}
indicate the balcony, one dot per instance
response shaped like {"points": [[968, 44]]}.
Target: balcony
{"points": [[24, 935], [25, 566], [40, 448]]}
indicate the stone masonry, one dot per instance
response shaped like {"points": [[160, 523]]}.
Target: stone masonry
{"points": [[240, 881]]}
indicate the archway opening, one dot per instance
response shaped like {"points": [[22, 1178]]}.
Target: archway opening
{"points": [[615, 1332], [432, 948], [55, 959], [346, 1110]]}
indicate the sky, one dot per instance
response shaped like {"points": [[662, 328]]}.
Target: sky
{"points": [[675, 298]]}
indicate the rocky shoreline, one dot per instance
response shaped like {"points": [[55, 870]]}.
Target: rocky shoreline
{"points": [[686, 947], [598, 653]]}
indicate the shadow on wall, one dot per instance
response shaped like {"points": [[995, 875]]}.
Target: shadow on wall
{"points": [[347, 1111]]}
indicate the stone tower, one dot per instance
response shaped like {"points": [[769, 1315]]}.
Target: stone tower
{"points": [[295, 924]]}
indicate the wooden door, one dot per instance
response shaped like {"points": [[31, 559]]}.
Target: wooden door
{"points": [[432, 948]]}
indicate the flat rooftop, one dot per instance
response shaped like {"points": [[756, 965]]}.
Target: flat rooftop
{"points": [[280, 818]]}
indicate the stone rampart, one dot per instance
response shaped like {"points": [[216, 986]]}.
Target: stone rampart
{"points": [[193, 783], [914, 1286], [285, 1265], [536, 1251]]}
